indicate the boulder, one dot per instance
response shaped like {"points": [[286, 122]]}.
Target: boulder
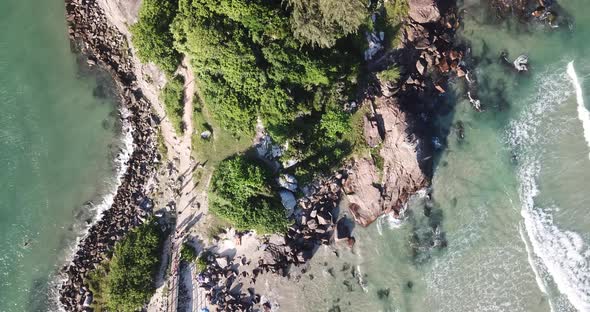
{"points": [[221, 262], [206, 135], [288, 182], [521, 63], [288, 200], [424, 11]]}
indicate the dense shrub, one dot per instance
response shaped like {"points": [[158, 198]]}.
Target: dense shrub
{"points": [[241, 194], [322, 22], [389, 75], [249, 63], [188, 253], [151, 34], [126, 282], [172, 96]]}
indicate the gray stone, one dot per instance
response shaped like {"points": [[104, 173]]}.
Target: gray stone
{"points": [[424, 11]]}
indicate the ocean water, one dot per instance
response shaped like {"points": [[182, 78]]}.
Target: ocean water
{"points": [[59, 135], [511, 199]]}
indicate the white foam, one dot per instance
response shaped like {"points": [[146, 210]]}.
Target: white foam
{"points": [[583, 113], [562, 253], [538, 278]]}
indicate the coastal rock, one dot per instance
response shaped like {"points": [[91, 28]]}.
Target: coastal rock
{"points": [[371, 193], [371, 132], [424, 11], [363, 197]]}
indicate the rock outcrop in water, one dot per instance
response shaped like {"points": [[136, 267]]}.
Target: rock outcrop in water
{"points": [[398, 127], [372, 189], [105, 46]]}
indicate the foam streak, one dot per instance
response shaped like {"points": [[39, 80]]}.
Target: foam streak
{"points": [[583, 113]]}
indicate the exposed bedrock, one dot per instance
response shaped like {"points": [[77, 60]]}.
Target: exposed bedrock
{"points": [[372, 189]]}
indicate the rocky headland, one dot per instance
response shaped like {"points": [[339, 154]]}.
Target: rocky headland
{"points": [[397, 128], [401, 114]]}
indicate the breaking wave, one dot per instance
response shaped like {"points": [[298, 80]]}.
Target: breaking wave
{"points": [[562, 254], [583, 113]]}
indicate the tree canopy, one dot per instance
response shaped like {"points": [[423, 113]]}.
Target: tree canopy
{"points": [[151, 34], [250, 64], [321, 22], [241, 194], [129, 283]]}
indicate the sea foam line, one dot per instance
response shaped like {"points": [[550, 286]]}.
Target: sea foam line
{"points": [[583, 113], [563, 254]]}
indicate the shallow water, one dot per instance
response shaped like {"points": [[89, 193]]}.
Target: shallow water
{"points": [[512, 196], [58, 139]]}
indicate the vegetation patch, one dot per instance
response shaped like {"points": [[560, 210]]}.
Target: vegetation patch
{"points": [[188, 252], [151, 34], [162, 149], [202, 261], [292, 64], [127, 281], [241, 194], [391, 74], [173, 96]]}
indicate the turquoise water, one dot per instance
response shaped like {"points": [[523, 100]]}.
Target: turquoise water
{"points": [[58, 130], [512, 197]]}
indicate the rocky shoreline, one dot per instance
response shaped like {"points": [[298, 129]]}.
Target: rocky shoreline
{"points": [[104, 46], [431, 58]]}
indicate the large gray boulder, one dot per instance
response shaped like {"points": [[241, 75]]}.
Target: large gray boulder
{"points": [[424, 11]]}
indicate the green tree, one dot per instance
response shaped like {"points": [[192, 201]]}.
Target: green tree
{"points": [[188, 253], [241, 194], [132, 269], [151, 34], [322, 22], [173, 95]]}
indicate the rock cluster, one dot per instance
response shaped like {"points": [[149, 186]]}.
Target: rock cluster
{"points": [[219, 280], [315, 219], [433, 58], [106, 47], [397, 125]]}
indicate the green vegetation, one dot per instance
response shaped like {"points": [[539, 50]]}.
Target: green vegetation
{"points": [[96, 280], [240, 194], [126, 282], [293, 64], [394, 11], [322, 22], [391, 74], [249, 63], [377, 158], [162, 149], [188, 253], [202, 261], [172, 96], [151, 34]]}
